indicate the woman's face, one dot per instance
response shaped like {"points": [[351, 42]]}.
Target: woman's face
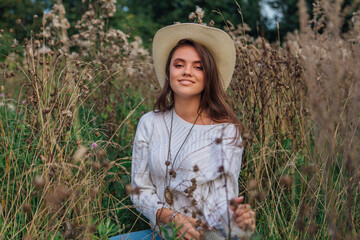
{"points": [[187, 78]]}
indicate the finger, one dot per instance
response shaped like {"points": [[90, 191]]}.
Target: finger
{"points": [[242, 209], [234, 203], [253, 225], [193, 234], [191, 220], [245, 225], [190, 232], [239, 200], [247, 215], [240, 212], [201, 232], [240, 219], [186, 236]]}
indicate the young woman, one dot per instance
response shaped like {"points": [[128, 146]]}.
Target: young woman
{"points": [[187, 152]]}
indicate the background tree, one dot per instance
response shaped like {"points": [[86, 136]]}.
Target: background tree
{"points": [[17, 19], [288, 17], [146, 16], [12, 10]]}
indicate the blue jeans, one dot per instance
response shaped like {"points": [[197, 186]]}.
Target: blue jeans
{"points": [[141, 235]]}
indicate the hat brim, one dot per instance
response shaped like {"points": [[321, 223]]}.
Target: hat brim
{"points": [[215, 40]]}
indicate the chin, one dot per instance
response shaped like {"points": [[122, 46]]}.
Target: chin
{"points": [[187, 95]]}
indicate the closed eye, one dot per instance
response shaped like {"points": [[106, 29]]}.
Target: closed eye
{"points": [[199, 68]]}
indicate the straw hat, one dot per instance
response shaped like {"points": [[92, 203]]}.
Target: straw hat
{"points": [[215, 40]]}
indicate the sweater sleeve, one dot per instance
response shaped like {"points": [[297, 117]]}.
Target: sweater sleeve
{"points": [[225, 186], [146, 200]]}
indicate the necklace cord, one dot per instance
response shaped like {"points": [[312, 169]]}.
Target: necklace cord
{"points": [[171, 126]]}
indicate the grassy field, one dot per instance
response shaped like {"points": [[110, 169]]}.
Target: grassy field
{"points": [[69, 107]]}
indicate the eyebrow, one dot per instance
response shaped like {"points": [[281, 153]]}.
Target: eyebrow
{"points": [[182, 60]]}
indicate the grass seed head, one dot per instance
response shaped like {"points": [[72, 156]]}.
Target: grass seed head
{"points": [[106, 164], [68, 233], [131, 191], [172, 173], [96, 166], [27, 208], [91, 228], [307, 170], [43, 159], [39, 182], [46, 110], [252, 185], [259, 196], [28, 237], [169, 197], [197, 223], [286, 181], [192, 16], [80, 153], [100, 154], [57, 196]]}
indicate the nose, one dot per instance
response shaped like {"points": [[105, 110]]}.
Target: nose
{"points": [[187, 70]]}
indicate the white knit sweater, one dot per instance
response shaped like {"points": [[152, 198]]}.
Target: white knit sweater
{"points": [[218, 164]]}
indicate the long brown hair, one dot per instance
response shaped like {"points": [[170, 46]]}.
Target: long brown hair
{"points": [[213, 98]]}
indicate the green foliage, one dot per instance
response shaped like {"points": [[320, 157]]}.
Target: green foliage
{"points": [[171, 231], [288, 16], [146, 17], [12, 10], [106, 229]]}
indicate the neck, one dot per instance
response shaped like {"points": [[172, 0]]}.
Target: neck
{"points": [[187, 109]]}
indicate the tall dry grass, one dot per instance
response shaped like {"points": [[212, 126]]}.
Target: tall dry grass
{"points": [[300, 105], [58, 177], [70, 104]]}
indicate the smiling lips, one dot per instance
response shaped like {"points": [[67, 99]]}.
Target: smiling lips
{"points": [[185, 82]]}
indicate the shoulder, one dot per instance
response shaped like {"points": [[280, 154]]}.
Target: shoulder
{"points": [[150, 124], [147, 117], [231, 133], [151, 118]]}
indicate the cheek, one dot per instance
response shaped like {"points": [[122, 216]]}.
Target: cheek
{"points": [[172, 73], [172, 78]]}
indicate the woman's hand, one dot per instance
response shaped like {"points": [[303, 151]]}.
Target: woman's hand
{"points": [[243, 215], [189, 226]]}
